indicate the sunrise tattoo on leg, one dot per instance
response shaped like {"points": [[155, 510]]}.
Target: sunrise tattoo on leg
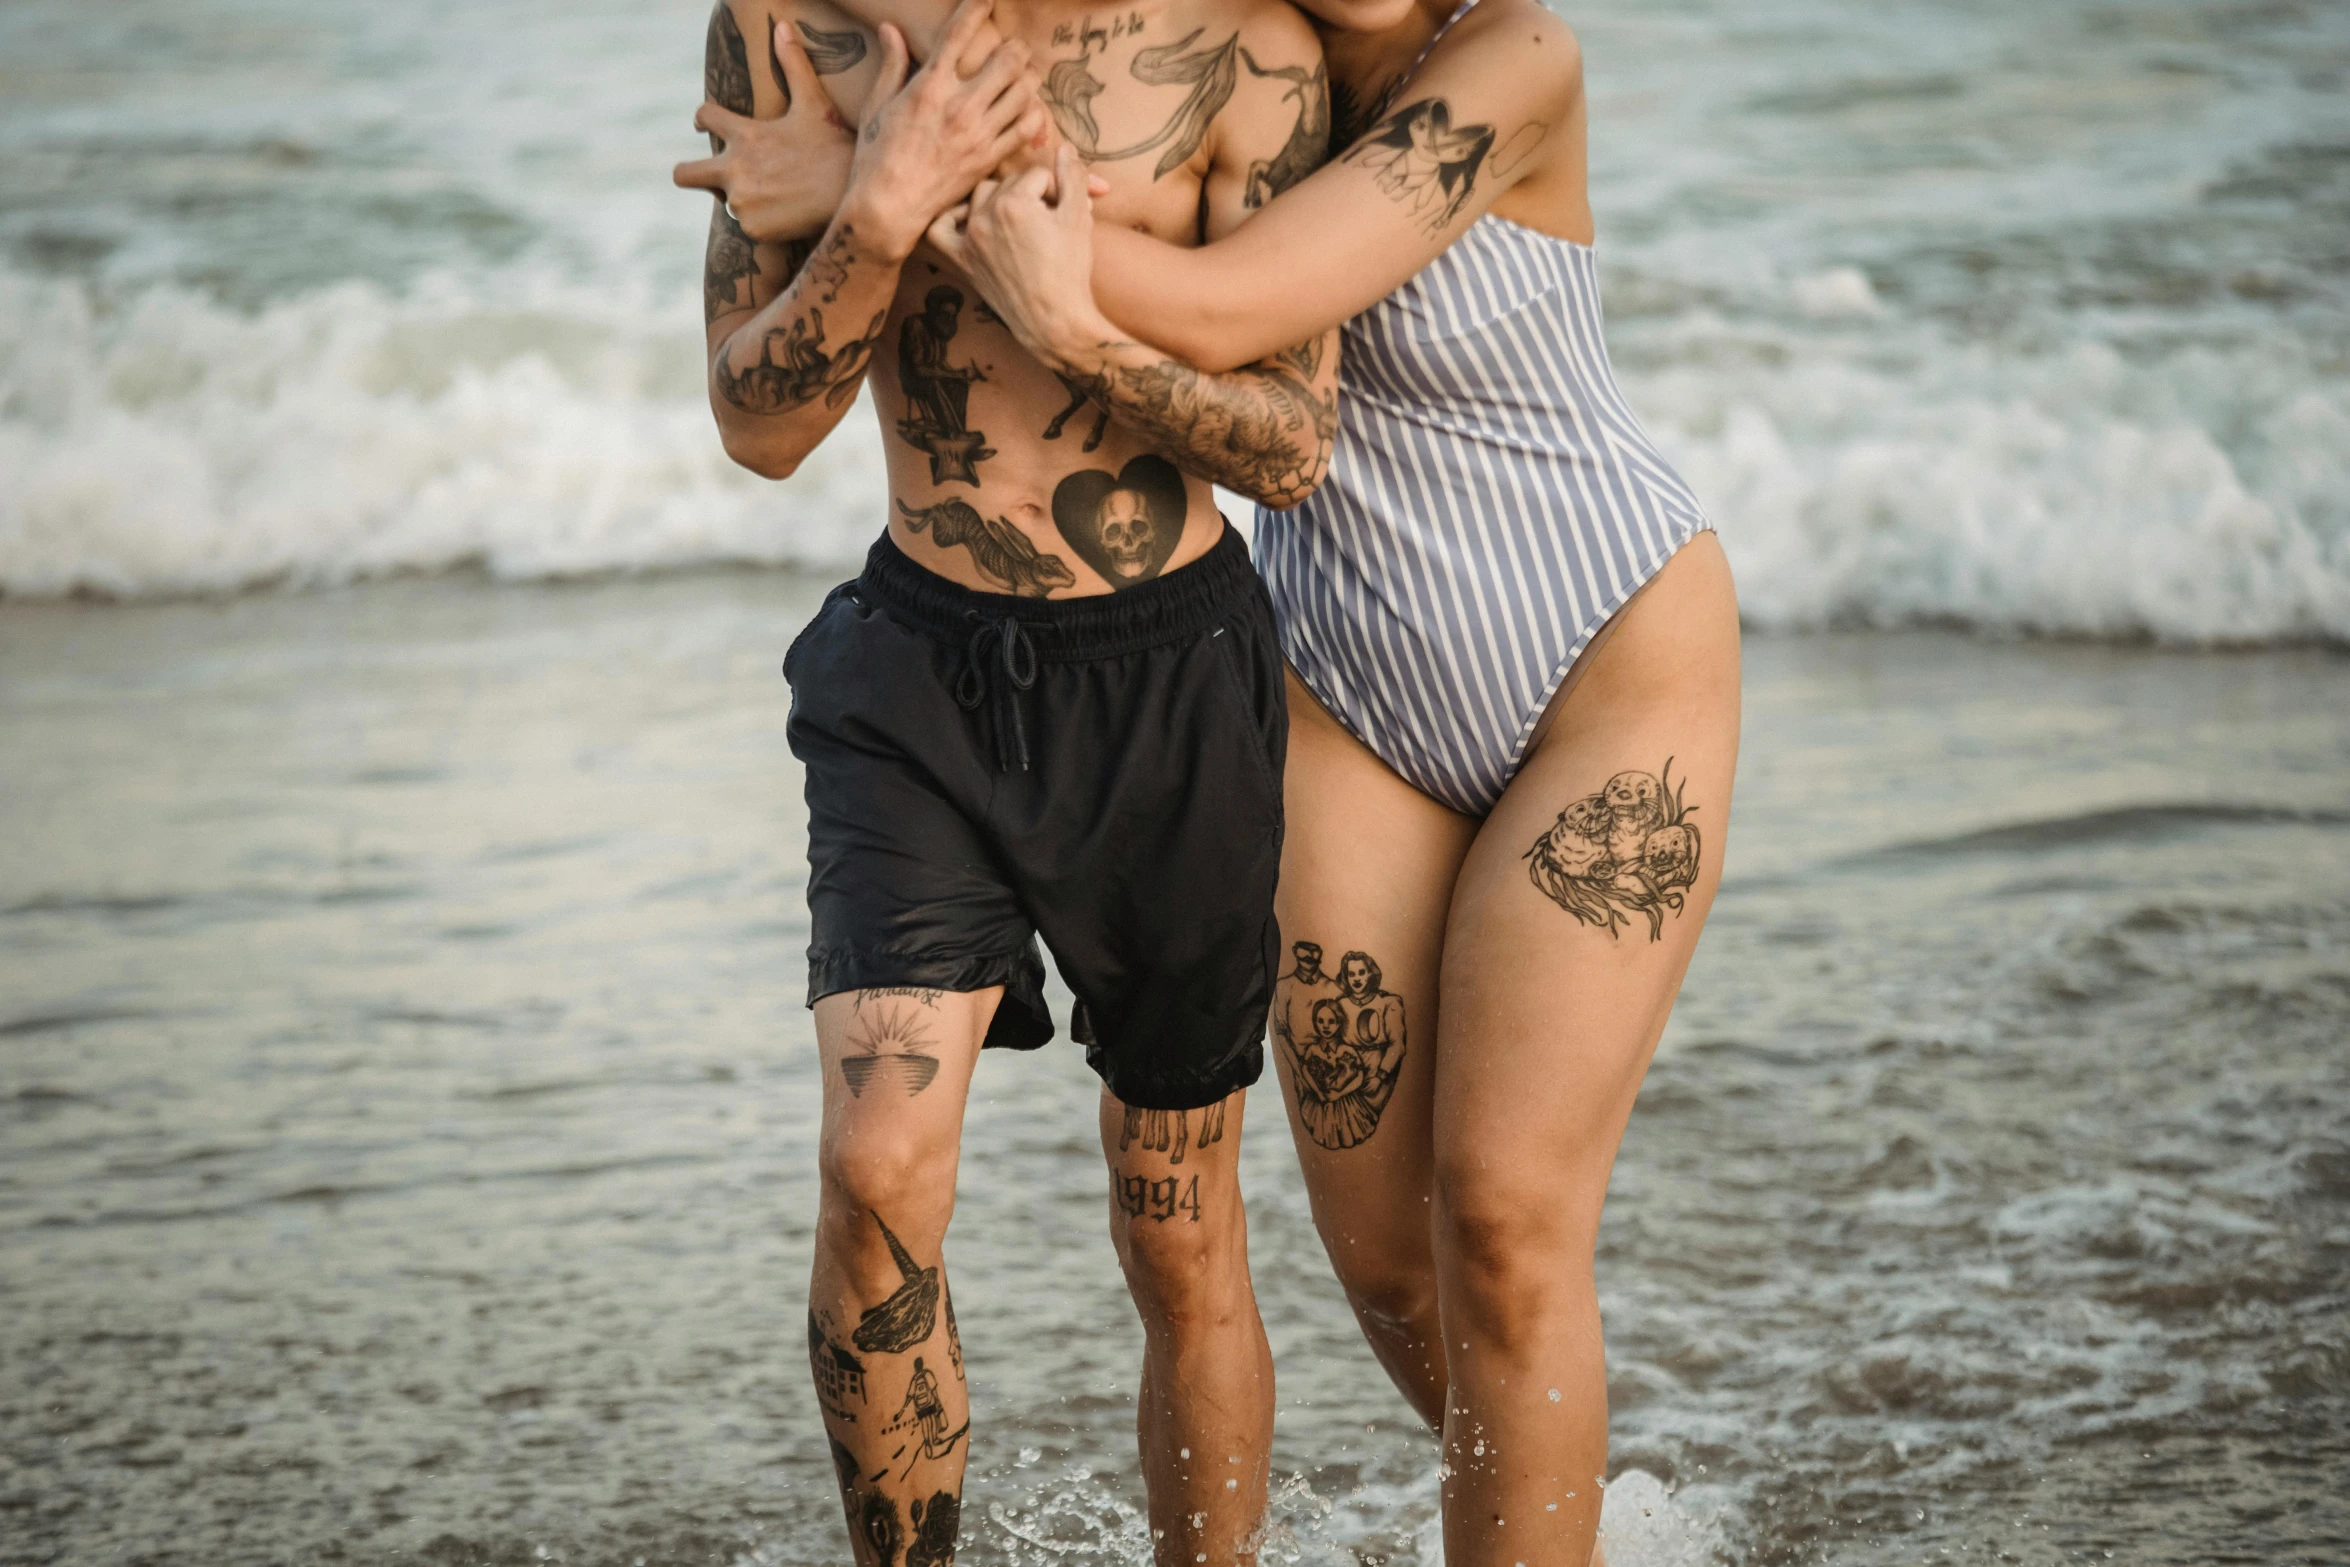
{"points": [[1344, 1036], [1423, 161], [1629, 849], [894, 1042], [1000, 552]]}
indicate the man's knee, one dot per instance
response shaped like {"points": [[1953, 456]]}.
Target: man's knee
{"points": [[906, 1182], [1184, 1274]]}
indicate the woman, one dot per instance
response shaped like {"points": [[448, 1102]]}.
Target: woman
{"points": [[1513, 646]]}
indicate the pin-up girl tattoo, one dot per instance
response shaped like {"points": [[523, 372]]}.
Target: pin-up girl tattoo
{"points": [[1423, 161]]}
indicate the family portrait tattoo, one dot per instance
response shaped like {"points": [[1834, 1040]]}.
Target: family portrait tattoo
{"points": [[938, 391], [1001, 552], [1309, 141], [1079, 397], [1169, 1131], [830, 53], [907, 1319], [840, 1376], [1629, 849], [1127, 524], [894, 1043], [1421, 160], [806, 371], [1141, 1197], [1344, 1036], [924, 1410]]}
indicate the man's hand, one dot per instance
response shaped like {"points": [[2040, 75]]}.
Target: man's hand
{"points": [[782, 179], [1027, 245], [922, 149]]}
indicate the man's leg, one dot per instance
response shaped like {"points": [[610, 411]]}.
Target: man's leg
{"points": [[1206, 1408], [882, 1344]]}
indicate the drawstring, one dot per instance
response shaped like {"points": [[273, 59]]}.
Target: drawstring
{"points": [[1018, 656]]}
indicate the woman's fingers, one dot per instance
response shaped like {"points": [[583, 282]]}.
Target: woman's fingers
{"points": [[962, 30], [893, 68], [720, 121], [1096, 186], [799, 75]]}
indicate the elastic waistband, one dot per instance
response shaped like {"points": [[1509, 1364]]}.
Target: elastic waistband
{"points": [[1174, 608]]}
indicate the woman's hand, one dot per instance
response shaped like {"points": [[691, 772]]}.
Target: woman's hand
{"points": [[925, 147], [1027, 246], [782, 179]]}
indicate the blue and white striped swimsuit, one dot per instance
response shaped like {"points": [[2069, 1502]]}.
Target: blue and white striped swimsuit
{"points": [[1491, 503]]}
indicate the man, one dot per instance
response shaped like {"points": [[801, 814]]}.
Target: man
{"points": [[1051, 704]]}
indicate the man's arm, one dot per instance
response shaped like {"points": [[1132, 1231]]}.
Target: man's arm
{"points": [[792, 330]]}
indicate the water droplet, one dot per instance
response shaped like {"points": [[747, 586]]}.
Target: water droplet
{"points": [[1554, 1395]]}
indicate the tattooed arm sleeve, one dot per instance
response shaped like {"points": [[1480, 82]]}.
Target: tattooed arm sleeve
{"points": [[1500, 100], [791, 327]]}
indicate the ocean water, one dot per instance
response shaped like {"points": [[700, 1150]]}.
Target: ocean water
{"points": [[407, 1120], [2018, 316]]}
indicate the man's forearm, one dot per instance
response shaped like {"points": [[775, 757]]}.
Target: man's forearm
{"points": [[782, 377], [1264, 430]]}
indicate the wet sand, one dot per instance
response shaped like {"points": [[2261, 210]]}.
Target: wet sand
{"points": [[407, 1111]]}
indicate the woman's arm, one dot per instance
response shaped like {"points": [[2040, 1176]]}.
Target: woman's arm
{"points": [[1475, 120]]}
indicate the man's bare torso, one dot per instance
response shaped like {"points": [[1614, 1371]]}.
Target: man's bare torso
{"points": [[1003, 475]]}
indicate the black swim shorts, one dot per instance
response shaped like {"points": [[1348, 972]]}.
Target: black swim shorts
{"points": [[1105, 772]]}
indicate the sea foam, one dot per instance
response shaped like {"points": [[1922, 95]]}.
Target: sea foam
{"points": [[1860, 471]]}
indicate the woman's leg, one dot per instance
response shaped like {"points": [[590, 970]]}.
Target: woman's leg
{"points": [[1367, 868], [1575, 916]]}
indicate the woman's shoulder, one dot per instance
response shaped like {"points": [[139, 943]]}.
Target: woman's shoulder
{"points": [[1533, 46]]}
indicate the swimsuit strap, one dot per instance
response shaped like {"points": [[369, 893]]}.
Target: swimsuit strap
{"points": [[1429, 48]]}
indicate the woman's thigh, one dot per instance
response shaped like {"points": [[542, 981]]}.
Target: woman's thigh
{"points": [[1575, 916], [1367, 868]]}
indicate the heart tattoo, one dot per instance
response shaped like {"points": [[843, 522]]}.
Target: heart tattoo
{"points": [[1124, 525]]}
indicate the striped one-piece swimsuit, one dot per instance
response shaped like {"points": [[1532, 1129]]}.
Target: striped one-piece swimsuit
{"points": [[1491, 503]]}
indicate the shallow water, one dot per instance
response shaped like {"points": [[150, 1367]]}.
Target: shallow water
{"points": [[406, 1118], [2016, 315]]}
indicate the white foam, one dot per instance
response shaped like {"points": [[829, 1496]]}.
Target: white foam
{"points": [[1860, 471], [175, 446]]}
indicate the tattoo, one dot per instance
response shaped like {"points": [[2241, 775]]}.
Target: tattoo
{"points": [[1345, 1040], [897, 1049], [1518, 148], [1167, 1131], [1091, 34], [907, 1319], [1124, 525], [921, 993], [829, 53], [840, 1376], [1352, 114], [938, 392], [1259, 429], [1001, 552], [1079, 397], [1209, 72], [1140, 1197], [726, 66], [806, 372], [1420, 160], [726, 261], [1630, 847], [1305, 358], [954, 1338], [935, 1527], [925, 1410], [1308, 146], [878, 1523], [844, 1464]]}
